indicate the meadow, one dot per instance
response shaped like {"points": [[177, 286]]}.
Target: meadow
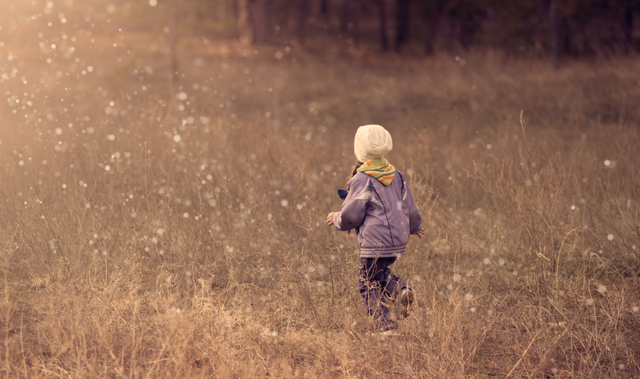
{"points": [[159, 225]]}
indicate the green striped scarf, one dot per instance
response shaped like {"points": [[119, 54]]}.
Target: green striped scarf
{"points": [[379, 168]]}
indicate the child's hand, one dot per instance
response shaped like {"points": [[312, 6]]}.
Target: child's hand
{"points": [[420, 233], [330, 218]]}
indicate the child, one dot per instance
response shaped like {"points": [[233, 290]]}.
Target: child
{"points": [[380, 206]]}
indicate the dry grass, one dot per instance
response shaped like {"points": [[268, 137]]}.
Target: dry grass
{"points": [[127, 251]]}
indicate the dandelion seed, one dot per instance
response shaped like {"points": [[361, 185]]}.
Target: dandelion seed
{"points": [[160, 231], [610, 237], [468, 297], [153, 3], [417, 278], [477, 211], [602, 289], [486, 261], [472, 309], [635, 309], [457, 278], [177, 138], [501, 262], [229, 249], [621, 366], [573, 207], [185, 215], [58, 131], [269, 216], [183, 96], [589, 302], [133, 214], [107, 168], [299, 206], [607, 162], [284, 203]]}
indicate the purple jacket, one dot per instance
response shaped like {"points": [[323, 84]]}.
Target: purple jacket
{"points": [[383, 217]]}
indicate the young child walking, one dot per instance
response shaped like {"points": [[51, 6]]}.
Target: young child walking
{"points": [[380, 207]]}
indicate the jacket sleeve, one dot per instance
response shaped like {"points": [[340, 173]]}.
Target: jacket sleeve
{"points": [[415, 220], [354, 206]]}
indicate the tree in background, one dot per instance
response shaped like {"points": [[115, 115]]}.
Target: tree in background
{"points": [[402, 23], [303, 15], [469, 15], [382, 14], [431, 12], [555, 43], [559, 28], [324, 8], [254, 21]]}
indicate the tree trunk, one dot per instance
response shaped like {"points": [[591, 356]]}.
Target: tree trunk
{"points": [[254, 20], [384, 40], [303, 14], [628, 28], [555, 37], [260, 16], [324, 8], [402, 23], [432, 22], [344, 16], [431, 13], [244, 23]]}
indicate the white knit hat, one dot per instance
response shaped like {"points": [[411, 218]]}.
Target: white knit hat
{"points": [[372, 141]]}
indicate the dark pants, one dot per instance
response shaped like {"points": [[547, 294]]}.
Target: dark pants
{"points": [[378, 283]]}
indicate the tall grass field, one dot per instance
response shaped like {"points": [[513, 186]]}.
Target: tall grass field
{"points": [[162, 215]]}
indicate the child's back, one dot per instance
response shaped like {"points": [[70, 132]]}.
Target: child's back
{"points": [[380, 206], [384, 216]]}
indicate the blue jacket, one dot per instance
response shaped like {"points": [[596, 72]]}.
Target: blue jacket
{"points": [[383, 216]]}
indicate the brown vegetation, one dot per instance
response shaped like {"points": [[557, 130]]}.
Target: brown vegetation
{"points": [[159, 228]]}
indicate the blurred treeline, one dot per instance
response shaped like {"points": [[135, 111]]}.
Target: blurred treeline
{"points": [[536, 27]]}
